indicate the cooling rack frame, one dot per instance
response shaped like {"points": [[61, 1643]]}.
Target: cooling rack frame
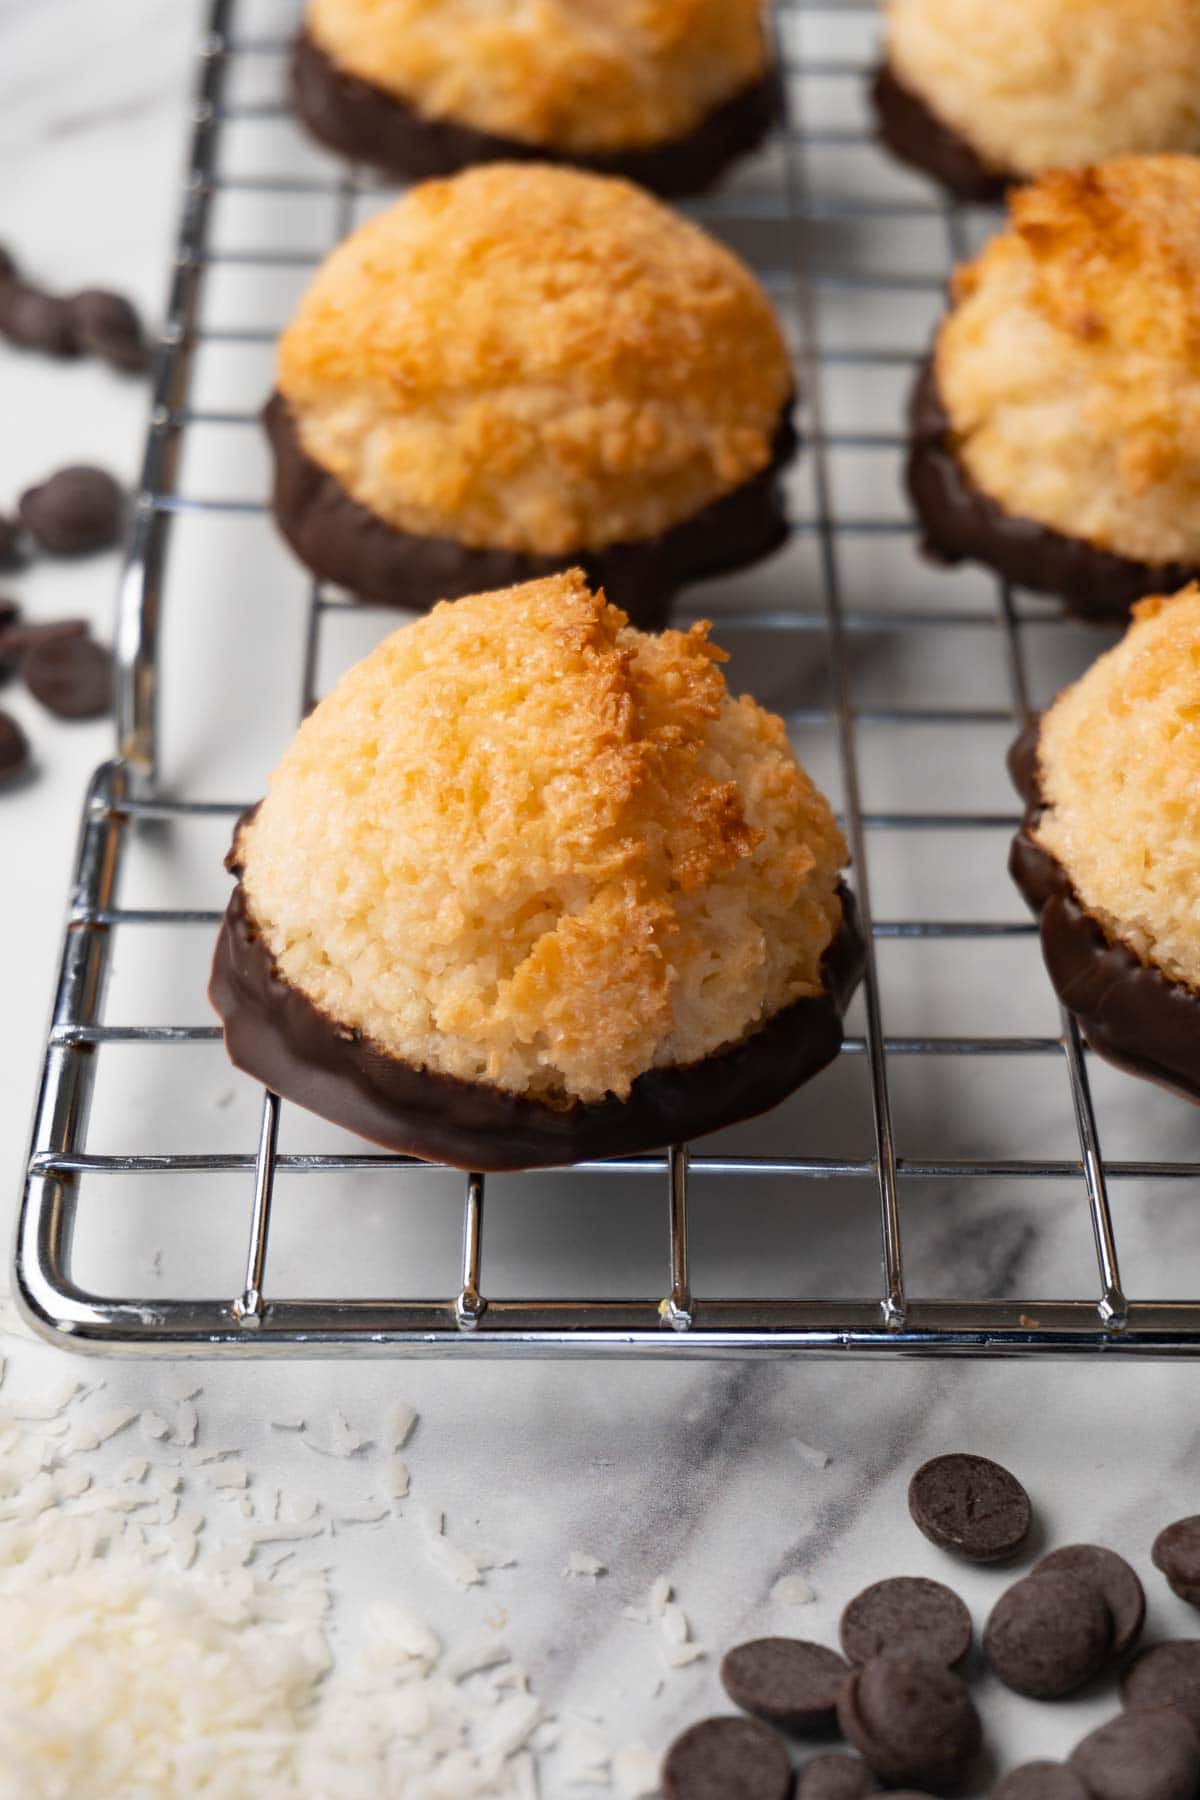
{"points": [[465, 1321]]}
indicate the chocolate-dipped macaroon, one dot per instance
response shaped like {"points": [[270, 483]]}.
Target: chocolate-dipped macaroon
{"points": [[524, 368], [530, 886], [1109, 852], [667, 96], [979, 95], [1056, 428]]}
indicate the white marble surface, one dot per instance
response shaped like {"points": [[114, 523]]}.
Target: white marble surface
{"points": [[698, 1472]]}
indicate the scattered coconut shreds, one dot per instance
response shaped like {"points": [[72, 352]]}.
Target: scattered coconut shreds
{"points": [[234, 1668], [48, 1405], [398, 1426], [186, 1421], [97, 1428], [364, 1512], [792, 1590], [335, 1438], [457, 1564], [231, 1474], [582, 1565], [396, 1478], [292, 1422]]}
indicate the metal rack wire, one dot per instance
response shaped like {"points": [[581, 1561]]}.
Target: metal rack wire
{"points": [[127, 796]]}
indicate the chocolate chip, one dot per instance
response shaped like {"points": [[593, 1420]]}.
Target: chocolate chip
{"points": [[77, 510], [908, 1616], [1115, 1582], [971, 1506], [790, 1683], [10, 612], [1048, 1634], [1166, 1675], [71, 676], [911, 1720], [18, 639], [835, 1777], [1140, 1756], [12, 551], [1041, 1781], [1177, 1553], [108, 326], [14, 749], [727, 1759], [36, 320]]}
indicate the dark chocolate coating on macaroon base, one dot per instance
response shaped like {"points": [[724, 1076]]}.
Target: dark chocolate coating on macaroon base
{"points": [[914, 134], [961, 523], [338, 538], [1130, 1012], [276, 1034], [371, 125]]}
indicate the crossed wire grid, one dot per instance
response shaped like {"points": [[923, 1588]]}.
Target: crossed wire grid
{"points": [[126, 795]]}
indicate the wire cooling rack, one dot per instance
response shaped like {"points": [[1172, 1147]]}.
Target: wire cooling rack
{"points": [[850, 635]]}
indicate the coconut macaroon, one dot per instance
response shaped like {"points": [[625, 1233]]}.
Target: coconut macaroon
{"points": [[522, 367], [1056, 433], [530, 885], [666, 92], [978, 94], [1109, 853]]}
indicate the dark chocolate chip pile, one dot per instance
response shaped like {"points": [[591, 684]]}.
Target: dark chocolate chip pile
{"points": [[94, 322], [911, 1718]]}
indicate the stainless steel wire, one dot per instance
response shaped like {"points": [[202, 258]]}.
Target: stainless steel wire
{"points": [[126, 796]]}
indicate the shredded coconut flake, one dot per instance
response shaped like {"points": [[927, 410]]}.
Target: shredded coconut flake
{"points": [[792, 1590], [635, 1773], [580, 1563], [401, 1417], [810, 1455]]}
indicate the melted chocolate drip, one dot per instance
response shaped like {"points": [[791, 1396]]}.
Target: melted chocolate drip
{"points": [[960, 522], [1129, 1011], [370, 125], [917, 136], [345, 542], [276, 1034]]}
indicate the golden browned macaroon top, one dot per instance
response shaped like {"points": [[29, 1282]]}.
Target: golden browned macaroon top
{"points": [[534, 359], [1048, 84], [1119, 765], [568, 74], [1070, 361], [522, 843]]}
